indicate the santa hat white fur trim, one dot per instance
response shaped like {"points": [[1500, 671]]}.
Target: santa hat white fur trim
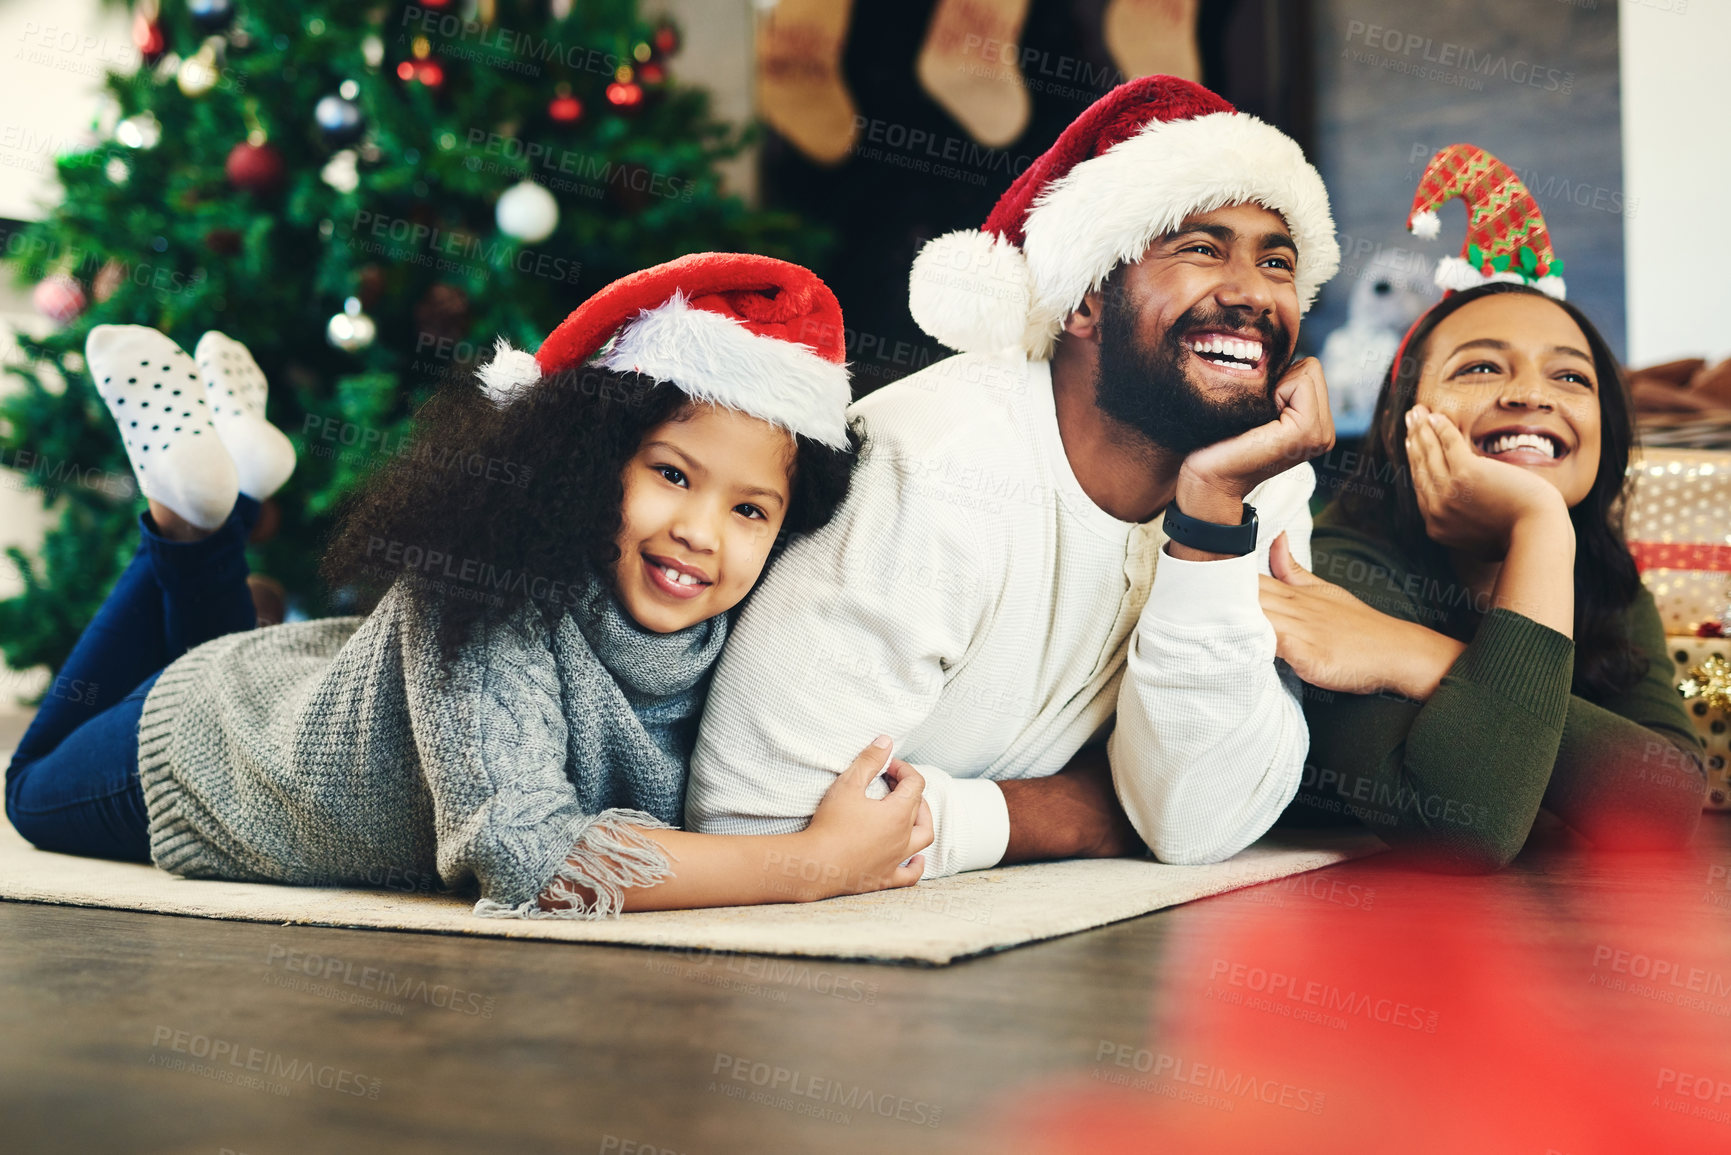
{"points": [[971, 290], [716, 359], [1456, 274], [1108, 209], [509, 372]]}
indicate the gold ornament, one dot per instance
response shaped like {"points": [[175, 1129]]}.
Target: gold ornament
{"points": [[198, 74], [1710, 682]]}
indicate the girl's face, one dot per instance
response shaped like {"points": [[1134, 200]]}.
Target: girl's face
{"points": [[1516, 374], [705, 497]]}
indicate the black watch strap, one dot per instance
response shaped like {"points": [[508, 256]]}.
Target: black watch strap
{"points": [[1211, 536]]}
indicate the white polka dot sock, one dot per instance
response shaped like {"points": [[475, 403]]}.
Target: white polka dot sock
{"points": [[235, 386], [154, 393]]}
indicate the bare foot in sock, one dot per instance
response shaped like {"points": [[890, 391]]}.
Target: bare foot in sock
{"points": [[153, 391], [175, 527], [235, 386]]}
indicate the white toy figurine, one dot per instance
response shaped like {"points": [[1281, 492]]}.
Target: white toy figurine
{"points": [[1394, 288]]}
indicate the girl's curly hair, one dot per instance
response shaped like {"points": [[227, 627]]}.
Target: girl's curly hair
{"points": [[488, 508]]}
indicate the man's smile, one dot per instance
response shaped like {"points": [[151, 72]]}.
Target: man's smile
{"points": [[1234, 352]]}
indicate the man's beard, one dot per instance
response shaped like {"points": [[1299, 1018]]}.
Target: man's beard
{"points": [[1147, 389]]}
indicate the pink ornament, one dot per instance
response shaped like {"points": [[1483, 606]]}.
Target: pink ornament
{"points": [[59, 297]]}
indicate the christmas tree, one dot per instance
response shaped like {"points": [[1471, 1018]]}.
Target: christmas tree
{"points": [[364, 195]]}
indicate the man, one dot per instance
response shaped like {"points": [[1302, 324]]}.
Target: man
{"points": [[997, 590]]}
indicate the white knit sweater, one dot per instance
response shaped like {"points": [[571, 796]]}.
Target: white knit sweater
{"points": [[971, 601]]}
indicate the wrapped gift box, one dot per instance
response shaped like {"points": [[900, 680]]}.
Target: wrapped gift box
{"points": [[1679, 529], [1713, 725]]}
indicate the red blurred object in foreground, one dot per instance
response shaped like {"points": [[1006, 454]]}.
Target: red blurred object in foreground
{"points": [[1426, 1014]]}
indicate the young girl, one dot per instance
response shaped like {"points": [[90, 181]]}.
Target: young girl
{"points": [[1500, 653], [558, 554]]}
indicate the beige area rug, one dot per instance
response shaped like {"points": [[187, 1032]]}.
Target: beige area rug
{"points": [[932, 923]]}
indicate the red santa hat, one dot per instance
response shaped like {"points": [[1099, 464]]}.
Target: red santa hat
{"points": [[752, 333], [1506, 235], [1130, 169]]}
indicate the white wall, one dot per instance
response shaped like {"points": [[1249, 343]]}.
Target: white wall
{"points": [[1677, 170], [55, 53], [717, 54]]}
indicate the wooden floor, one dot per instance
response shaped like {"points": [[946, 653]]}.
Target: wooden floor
{"points": [[1576, 1003]]}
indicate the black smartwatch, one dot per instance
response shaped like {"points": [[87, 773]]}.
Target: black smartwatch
{"points": [[1211, 536]]}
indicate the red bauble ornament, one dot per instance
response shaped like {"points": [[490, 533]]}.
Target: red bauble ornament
{"points": [[565, 109], [652, 73], [255, 168], [429, 72], [147, 37], [624, 96], [666, 39], [59, 297]]}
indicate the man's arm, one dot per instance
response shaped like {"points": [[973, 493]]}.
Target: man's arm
{"points": [[849, 635], [1210, 738], [1074, 813]]}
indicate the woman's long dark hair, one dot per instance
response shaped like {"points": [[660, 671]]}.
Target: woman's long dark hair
{"points": [[1379, 498], [488, 508]]}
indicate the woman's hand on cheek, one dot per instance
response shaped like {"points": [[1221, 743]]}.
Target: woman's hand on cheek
{"points": [[1470, 502], [1331, 639], [857, 843]]}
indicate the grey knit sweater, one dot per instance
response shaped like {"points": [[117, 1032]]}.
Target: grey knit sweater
{"points": [[334, 753]]}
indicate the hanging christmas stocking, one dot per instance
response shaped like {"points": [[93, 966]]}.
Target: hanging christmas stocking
{"points": [[969, 65], [1153, 38], [799, 83]]}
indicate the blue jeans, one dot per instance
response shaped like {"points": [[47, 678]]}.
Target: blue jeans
{"points": [[73, 783]]}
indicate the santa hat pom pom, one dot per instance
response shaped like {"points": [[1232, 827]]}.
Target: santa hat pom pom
{"points": [[1426, 225], [972, 291], [509, 373], [1454, 274]]}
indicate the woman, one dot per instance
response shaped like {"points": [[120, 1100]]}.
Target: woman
{"points": [[1476, 638]]}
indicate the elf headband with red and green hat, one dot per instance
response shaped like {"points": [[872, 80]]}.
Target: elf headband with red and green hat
{"points": [[751, 333], [1506, 235], [1130, 169]]}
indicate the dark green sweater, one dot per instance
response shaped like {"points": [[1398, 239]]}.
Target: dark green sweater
{"points": [[1458, 779]]}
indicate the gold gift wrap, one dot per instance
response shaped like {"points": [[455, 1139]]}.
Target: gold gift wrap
{"points": [[1679, 528], [1689, 654]]}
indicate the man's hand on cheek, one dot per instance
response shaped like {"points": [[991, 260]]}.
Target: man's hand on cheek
{"points": [[1214, 481]]}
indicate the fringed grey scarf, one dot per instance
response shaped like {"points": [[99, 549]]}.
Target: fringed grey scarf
{"points": [[632, 700]]}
